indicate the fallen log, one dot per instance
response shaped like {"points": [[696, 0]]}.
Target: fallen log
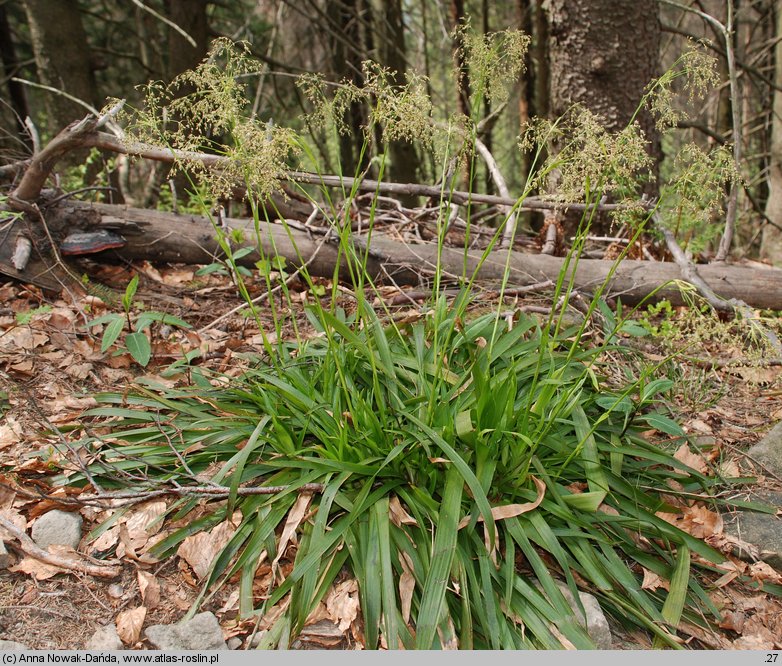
{"points": [[166, 237], [46, 268]]}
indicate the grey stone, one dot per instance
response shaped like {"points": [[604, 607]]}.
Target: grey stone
{"points": [[234, 643], [768, 451], [115, 591], [256, 641], [596, 622], [12, 645], [761, 530], [60, 528], [5, 556], [202, 632], [105, 638]]}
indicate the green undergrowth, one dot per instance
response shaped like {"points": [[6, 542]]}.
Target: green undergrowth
{"points": [[478, 461]]}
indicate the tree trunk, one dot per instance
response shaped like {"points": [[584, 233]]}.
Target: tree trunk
{"points": [[771, 244], [458, 17], [10, 68], [347, 53], [534, 89], [62, 58], [393, 55], [603, 53], [191, 16]]}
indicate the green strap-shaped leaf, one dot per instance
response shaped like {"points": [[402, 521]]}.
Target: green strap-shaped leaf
{"points": [[677, 594], [433, 597]]}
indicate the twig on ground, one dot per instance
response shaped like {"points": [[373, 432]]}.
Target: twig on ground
{"points": [[690, 274], [29, 547], [421, 294], [128, 498]]}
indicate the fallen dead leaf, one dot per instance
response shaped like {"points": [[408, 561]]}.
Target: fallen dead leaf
{"points": [[693, 460], [117, 361], [200, 550], [511, 510], [43, 570], [652, 581], [762, 572], [15, 518], [129, 623], [106, 541], [319, 613], [696, 520], [79, 370], [149, 587], [324, 634], [23, 367], [342, 603], [150, 271], [10, 432], [22, 339], [231, 603], [61, 319], [733, 620], [295, 516], [69, 407], [753, 642], [143, 521], [699, 425], [397, 513], [406, 586], [35, 568], [760, 376], [178, 276], [729, 469]]}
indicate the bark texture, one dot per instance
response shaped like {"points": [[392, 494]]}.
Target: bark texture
{"points": [[771, 244], [191, 16], [165, 237], [62, 58], [603, 53], [347, 47], [393, 55]]}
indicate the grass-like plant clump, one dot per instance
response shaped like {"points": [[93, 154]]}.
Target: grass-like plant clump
{"points": [[464, 467]]}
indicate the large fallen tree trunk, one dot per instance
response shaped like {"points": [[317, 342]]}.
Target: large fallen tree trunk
{"points": [[166, 237]]}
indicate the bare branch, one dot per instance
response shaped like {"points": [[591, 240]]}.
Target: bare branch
{"points": [[29, 547], [168, 22]]}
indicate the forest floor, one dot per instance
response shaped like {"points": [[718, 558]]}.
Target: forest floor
{"points": [[51, 366]]}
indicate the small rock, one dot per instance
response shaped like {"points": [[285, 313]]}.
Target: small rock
{"points": [[596, 622], [105, 638], [762, 530], [256, 641], [234, 643], [768, 451], [115, 591], [202, 632], [5, 556], [12, 645], [59, 528]]}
